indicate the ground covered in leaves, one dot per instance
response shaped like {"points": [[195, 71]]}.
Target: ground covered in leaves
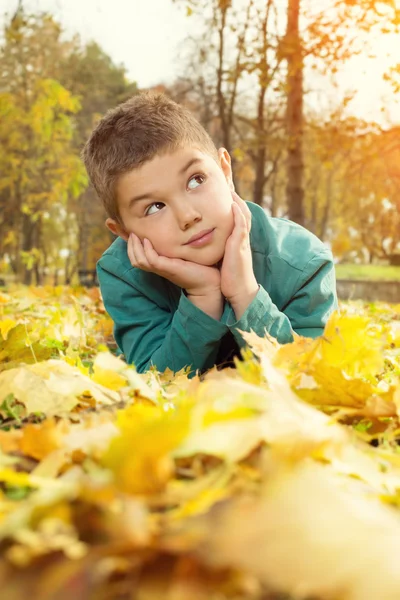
{"points": [[279, 479]]}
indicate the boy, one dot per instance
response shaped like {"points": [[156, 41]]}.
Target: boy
{"points": [[193, 263]]}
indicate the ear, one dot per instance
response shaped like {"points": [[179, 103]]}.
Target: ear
{"points": [[225, 163], [117, 229]]}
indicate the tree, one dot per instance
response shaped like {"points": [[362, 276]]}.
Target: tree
{"points": [[38, 164], [237, 50], [372, 181], [294, 115], [53, 92], [100, 85]]}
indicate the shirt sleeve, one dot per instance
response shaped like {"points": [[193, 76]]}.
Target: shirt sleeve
{"points": [[306, 313], [149, 335]]}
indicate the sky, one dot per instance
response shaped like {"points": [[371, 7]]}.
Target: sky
{"points": [[143, 34], [147, 37]]}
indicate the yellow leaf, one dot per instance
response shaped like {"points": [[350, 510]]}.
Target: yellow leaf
{"points": [[52, 387], [140, 456], [302, 512], [14, 478], [348, 342], [5, 326], [109, 379], [115, 374]]}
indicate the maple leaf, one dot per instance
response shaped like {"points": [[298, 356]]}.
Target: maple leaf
{"points": [[305, 520], [5, 326], [52, 387], [140, 456], [20, 348], [205, 469]]}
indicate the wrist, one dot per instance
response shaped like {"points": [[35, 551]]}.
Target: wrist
{"points": [[240, 302], [211, 304], [204, 292]]}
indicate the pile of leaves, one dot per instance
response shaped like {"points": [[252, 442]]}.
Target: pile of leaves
{"points": [[279, 479]]}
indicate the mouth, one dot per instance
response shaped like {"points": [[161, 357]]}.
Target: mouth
{"points": [[201, 238]]}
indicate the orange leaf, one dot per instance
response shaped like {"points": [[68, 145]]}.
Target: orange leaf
{"points": [[40, 440]]}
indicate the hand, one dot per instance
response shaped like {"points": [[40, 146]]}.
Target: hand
{"points": [[238, 283], [197, 280]]}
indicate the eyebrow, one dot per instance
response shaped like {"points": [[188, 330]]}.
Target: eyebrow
{"points": [[182, 171]]}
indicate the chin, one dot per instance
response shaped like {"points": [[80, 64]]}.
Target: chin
{"points": [[209, 259]]}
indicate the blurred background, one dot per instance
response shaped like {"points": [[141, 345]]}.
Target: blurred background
{"points": [[304, 94]]}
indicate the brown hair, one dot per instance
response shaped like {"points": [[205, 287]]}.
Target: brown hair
{"points": [[146, 125]]}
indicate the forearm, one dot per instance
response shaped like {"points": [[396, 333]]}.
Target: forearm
{"points": [[192, 339], [261, 316], [148, 334]]}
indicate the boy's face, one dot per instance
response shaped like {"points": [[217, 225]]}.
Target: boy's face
{"points": [[174, 197]]}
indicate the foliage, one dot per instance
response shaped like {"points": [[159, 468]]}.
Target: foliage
{"points": [[242, 56], [38, 165], [53, 90], [243, 483], [367, 272]]}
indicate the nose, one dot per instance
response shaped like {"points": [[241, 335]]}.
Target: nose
{"points": [[186, 215]]}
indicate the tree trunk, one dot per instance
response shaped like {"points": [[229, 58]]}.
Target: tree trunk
{"points": [[84, 230], [222, 109], [27, 239], [227, 101], [327, 207], [38, 274], [258, 193], [274, 199], [70, 267], [261, 153], [294, 115]]}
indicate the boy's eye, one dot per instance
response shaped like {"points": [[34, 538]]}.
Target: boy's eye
{"points": [[195, 181], [155, 205]]}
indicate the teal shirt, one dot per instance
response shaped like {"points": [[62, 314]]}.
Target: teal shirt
{"points": [[156, 324]]}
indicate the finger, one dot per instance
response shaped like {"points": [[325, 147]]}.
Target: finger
{"points": [[140, 255], [163, 265], [152, 257], [244, 208], [131, 252], [240, 229], [238, 200]]}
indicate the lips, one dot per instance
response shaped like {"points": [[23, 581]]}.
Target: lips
{"points": [[199, 235]]}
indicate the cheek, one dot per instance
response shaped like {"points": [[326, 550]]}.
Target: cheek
{"points": [[230, 221], [163, 243], [226, 218]]}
